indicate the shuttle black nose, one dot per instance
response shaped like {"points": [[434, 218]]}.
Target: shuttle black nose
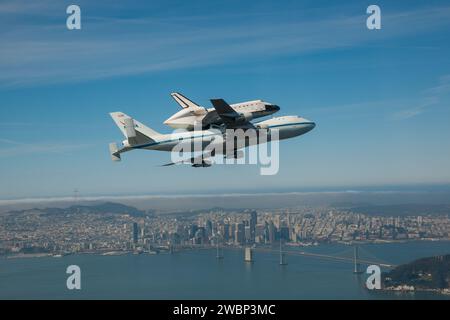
{"points": [[272, 108]]}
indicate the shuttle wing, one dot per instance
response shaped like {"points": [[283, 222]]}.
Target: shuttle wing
{"points": [[231, 118]]}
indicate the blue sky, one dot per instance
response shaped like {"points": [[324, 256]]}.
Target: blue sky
{"points": [[380, 98]]}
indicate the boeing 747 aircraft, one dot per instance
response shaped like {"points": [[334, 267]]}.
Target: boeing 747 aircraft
{"points": [[193, 114], [139, 136]]}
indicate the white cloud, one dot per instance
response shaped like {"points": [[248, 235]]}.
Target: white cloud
{"points": [[44, 52], [12, 148], [431, 97], [6, 202]]}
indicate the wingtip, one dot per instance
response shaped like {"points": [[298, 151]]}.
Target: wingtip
{"points": [[167, 164]]}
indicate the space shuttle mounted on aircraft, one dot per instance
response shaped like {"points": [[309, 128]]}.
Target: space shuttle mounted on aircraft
{"points": [[193, 114], [139, 136]]}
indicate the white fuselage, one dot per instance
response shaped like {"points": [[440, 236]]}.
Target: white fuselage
{"points": [[287, 127], [188, 117]]}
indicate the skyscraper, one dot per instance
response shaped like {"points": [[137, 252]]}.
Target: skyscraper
{"points": [[272, 232], [192, 230], [248, 234], [208, 228], [277, 221], [200, 236], [135, 232], [253, 222], [240, 233], [226, 232], [232, 230], [284, 233]]}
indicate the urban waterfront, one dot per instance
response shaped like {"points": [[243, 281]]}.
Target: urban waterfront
{"points": [[110, 227], [198, 274]]}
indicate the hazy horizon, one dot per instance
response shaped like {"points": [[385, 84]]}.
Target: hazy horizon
{"points": [[250, 200]]}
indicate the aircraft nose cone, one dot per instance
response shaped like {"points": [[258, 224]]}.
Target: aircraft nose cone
{"points": [[310, 126], [272, 108]]}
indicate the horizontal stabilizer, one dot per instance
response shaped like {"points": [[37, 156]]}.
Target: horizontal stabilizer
{"points": [[114, 151]]}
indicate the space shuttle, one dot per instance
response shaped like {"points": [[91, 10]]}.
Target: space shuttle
{"points": [[193, 114]]}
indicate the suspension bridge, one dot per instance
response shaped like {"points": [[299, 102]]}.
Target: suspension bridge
{"points": [[354, 254]]}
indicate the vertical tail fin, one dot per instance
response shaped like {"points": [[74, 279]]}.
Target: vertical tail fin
{"points": [[133, 130], [184, 102]]}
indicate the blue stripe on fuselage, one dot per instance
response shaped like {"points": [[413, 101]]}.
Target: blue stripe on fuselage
{"points": [[212, 134]]}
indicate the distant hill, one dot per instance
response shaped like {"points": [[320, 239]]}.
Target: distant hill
{"points": [[403, 209], [106, 207], [425, 273]]}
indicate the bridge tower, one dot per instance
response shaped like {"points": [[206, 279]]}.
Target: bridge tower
{"points": [[248, 256], [356, 264]]}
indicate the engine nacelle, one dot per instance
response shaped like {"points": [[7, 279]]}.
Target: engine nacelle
{"points": [[204, 164]]}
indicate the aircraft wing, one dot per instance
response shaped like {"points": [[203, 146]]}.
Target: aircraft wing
{"points": [[199, 161], [231, 118]]}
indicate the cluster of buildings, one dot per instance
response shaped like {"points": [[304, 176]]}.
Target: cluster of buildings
{"points": [[39, 231], [305, 225]]}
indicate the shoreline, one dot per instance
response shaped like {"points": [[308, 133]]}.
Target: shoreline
{"points": [[397, 290], [125, 252]]}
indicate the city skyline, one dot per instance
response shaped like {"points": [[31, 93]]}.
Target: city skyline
{"points": [[111, 228]]}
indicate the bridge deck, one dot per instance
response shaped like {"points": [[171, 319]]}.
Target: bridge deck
{"points": [[298, 252]]}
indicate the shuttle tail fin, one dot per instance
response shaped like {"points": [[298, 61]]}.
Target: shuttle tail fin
{"points": [[184, 102]]}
